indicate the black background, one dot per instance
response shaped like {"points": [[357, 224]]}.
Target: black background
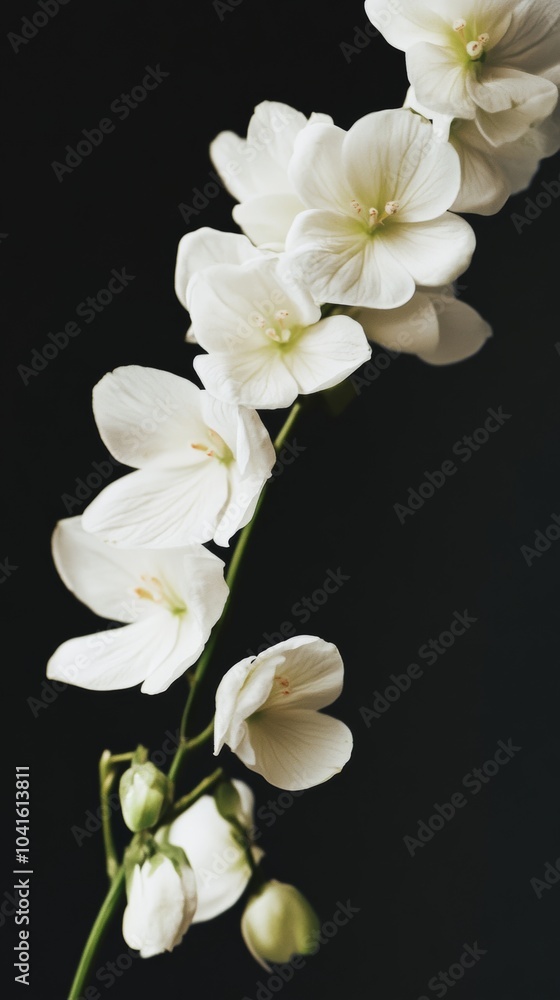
{"points": [[332, 508]]}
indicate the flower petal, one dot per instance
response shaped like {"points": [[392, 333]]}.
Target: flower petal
{"points": [[440, 79], [160, 508], [267, 218], [122, 657], [205, 247], [257, 377], [510, 102], [326, 353], [313, 668], [241, 692], [410, 328], [146, 415], [462, 333], [316, 168], [297, 749], [434, 253], [407, 22]]}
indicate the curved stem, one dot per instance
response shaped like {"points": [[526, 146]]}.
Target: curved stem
{"points": [[231, 575], [188, 800], [106, 781], [107, 910]]}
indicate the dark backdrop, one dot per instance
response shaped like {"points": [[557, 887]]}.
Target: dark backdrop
{"points": [[333, 509]]}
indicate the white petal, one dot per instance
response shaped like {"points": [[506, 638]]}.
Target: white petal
{"points": [[241, 692], [462, 333], [405, 23], [145, 415], [160, 907], [257, 377], [439, 79], [316, 168], [341, 263], [510, 102], [533, 40], [411, 328], [221, 869], [434, 253], [266, 218], [205, 247], [298, 749], [313, 668], [484, 186], [99, 575], [326, 353], [160, 508], [392, 156], [122, 657]]}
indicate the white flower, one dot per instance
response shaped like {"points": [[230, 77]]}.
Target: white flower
{"points": [[279, 923], [161, 896], [168, 601], [255, 171], [377, 223], [478, 59], [267, 713], [215, 852], [202, 463], [266, 340], [434, 325], [202, 249]]}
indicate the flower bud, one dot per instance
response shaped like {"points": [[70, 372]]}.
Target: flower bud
{"points": [[278, 923], [161, 893], [144, 792]]}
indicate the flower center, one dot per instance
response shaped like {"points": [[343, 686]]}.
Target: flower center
{"points": [[276, 326], [284, 685], [215, 448], [372, 218], [475, 46], [160, 593]]}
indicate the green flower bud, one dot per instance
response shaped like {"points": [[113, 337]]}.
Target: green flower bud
{"points": [[278, 923], [144, 793]]}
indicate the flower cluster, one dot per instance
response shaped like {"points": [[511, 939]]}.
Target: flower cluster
{"points": [[348, 237]]}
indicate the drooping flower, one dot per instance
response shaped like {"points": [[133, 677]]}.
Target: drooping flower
{"points": [[434, 325], [484, 60], [201, 463], [279, 923], [168, 600], [266, 340], [216, 851], [376, 223], [255, 171], [161, 893], [267, 712]]}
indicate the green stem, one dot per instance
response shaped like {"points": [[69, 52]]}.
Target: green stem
{"points": [[188, 800], [106, 781], [231, 575], [97, 931]]}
